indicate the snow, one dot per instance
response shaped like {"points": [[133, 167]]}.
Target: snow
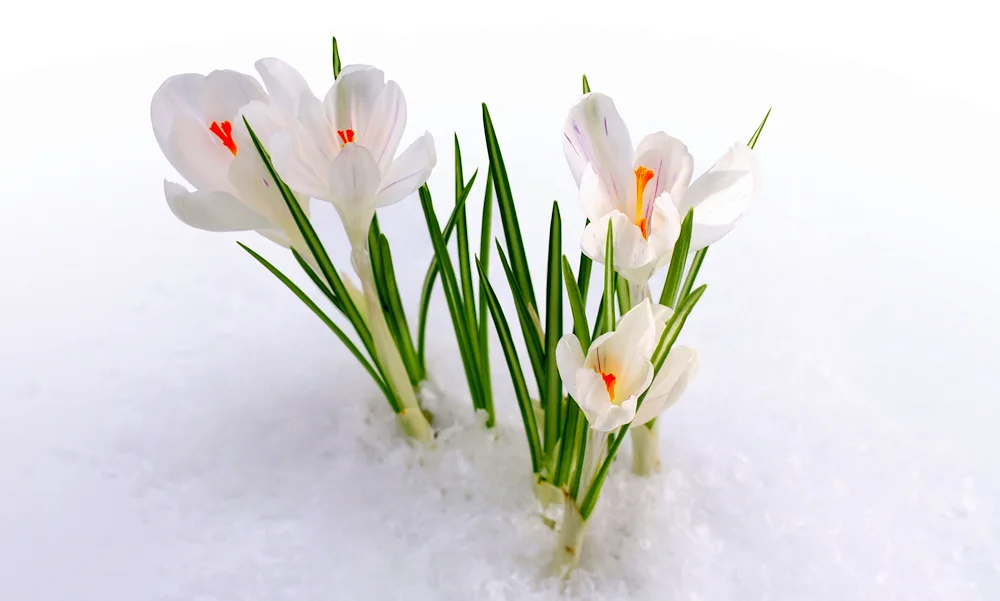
{"points": [[175, 425]]}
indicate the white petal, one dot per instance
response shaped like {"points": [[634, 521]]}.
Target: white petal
{"points": [[669, 160], [591, 394], [661, 314], [225, 92], [198, 154], [615, 416], [212, 211], [285, 86], [350, 101], [633, 254], [594, 201], [353, 182], [408, 172], [632, 341], [677, 372], [721, 196], [257, 189], [293, 151], [178, 95], [635, 379], [664, 229], [385, 128], [594, 133], [569, 359]]}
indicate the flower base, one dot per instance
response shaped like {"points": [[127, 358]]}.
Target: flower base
{"points": [[413, 423], [645, 450], [570, 542]]}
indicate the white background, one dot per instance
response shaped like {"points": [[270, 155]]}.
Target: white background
{"points": [[173, 425]]}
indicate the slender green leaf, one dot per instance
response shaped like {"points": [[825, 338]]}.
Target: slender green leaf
{"points": [[462, 233], [668, 297], [586, 85], [516, 374], [699, 258], [336, 59], [403, 340], [580, 325], [553, 331], [316, 248], [449, 282], [760, 128], [624, 295], [432, 273], [670, 333], [567, 443], [582, 428], [508, 213], [318, 281], [609, 281], [484, 326], [528, 328], [330, 324]]}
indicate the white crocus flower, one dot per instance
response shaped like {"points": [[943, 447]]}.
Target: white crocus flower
{"points": [[343, 149], [645, 192], [198, 125], [607, 383]]}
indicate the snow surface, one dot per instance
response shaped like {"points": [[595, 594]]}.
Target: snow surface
{"points": [[174, 425]]}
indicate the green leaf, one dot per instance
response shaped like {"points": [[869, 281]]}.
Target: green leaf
{"points": [[329, 323], [402, 330], [449, 282], [580, 325], [432, 273], [670, 333], [319, 282], [516, 374], [484, 326], [583, 279], [508, 213], [581, 453], [553, 331], [336, 59], [316, 248], [529, 330], [462, 231], [624, 295], [609, 281], [760, 128], [586, 85], [568, 442], [668, 297]]}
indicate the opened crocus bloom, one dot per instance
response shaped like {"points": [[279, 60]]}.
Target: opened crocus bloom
{"points": [[607, 382], [645, 191], [197, 123], [343, 149]]}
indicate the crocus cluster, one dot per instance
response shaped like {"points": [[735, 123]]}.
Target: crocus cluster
{"points": [[256, 152]]}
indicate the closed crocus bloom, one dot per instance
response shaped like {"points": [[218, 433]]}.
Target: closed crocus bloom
{"points": [[644, 191], [343, 149], [198, 125], [607, 382]]}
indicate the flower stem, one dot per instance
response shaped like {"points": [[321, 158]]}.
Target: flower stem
{"points": [[412, 420], [570, 542], [645, 450]]}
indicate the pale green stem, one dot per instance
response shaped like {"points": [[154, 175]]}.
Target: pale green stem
{"points": [[638, 293], [645, 450], [570, 542], [411, 419]]}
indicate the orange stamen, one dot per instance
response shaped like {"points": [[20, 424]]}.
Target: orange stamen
{"points": [[642, 177], [225, 133], [346, 136], [609, 383]]}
